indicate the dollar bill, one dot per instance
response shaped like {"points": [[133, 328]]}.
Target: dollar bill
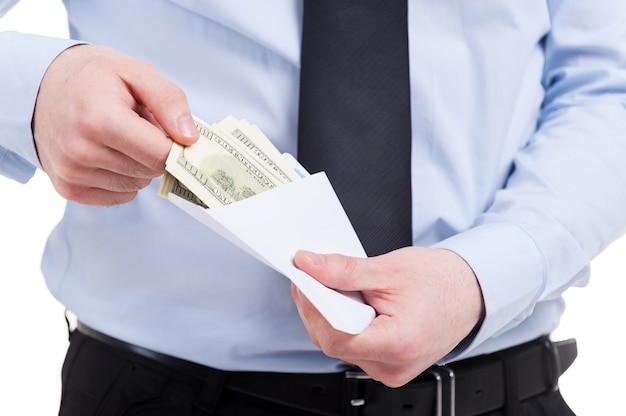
{"points": [[253, 141], [169, 184], [225, 165]]}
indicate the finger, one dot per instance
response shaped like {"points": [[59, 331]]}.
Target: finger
{"points": [[343, 272], [390, 374], [320, 331], [131, 135], [86, 164], [95, 196], [369, 345], [72, 184], [306, 311], [89, 156], [375, 350], [147, 115], [165, 101], [332, 342]]}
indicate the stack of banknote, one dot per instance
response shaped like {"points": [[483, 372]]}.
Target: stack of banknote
{"points": [[232, 160]]}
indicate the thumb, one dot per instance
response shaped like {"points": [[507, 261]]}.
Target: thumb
{"points": [[165, 102], [338, 271]]}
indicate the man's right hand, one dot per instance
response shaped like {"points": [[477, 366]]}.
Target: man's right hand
{"points": [[104, 124]]}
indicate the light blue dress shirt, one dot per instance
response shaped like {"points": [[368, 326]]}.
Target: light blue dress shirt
{"points": [[518, 160]]}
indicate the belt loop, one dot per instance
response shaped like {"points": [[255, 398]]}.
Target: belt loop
{"points": [[511, 381], [354, 392], [70, 322], [553, 363], [211, 391]]}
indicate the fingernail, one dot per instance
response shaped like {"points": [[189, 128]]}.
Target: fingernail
{"points": [[315, 258], [187, 127]]}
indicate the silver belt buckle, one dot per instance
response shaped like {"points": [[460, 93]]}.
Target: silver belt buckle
{"points": [[357, 375], [446, 383]]}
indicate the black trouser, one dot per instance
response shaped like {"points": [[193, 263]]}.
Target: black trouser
{"points": [[102, 379]]}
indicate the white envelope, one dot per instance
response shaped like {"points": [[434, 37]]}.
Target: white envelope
{"points": [[272, 225]]}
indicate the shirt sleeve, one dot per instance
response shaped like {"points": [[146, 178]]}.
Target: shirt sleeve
{"points": [[25, 59], [6, 5], [564, 200]]}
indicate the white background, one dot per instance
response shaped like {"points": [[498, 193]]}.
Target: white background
{"points": [[32, 328]]}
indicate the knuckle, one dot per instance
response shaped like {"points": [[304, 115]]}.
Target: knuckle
{"points": [[69, 174], [79, 153], [124, 184], [70, 192], [395, 380], [396, 376], [345, 266], [143, 183], [350, 264], [174, 94], [138, 171], [120, 198], [342, 265], [331, 347], [73, 176], [170, 91], [170, 95], [157, 167]]}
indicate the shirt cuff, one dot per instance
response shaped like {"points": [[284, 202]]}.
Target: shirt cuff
{"points": [[25, 60], [510, 270], [14, 167]]}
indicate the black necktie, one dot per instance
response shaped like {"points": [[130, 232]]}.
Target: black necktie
{"points": [[355, 113]]}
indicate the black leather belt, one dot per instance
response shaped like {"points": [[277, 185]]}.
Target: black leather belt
{"points": [[464, 388]]}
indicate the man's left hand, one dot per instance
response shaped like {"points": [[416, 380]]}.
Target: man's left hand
{"points": [[427, 301]]}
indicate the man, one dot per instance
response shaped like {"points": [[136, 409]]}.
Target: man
{"points": [[517, 127]]}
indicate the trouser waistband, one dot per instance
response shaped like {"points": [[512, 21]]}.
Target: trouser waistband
{"points": [[465, 388]]}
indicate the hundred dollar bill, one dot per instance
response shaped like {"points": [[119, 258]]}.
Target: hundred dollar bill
{"points": [[169, 184], [218, 169], [254, 141]]}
